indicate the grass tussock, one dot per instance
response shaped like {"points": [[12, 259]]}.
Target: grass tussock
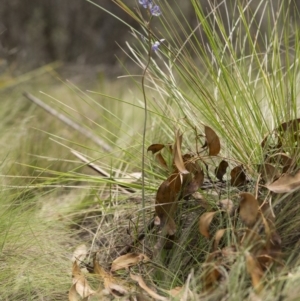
{"points": [[175, 218]]}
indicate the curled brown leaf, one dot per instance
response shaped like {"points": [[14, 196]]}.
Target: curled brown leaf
{"points": [[128, 260], [220, 171], [286, 183], [238, 176], [248, 208], [177, 156], [204, 223], [255, 271], [110, 283], [166, 202], [218, 236], [154, 148], [212, 141]]}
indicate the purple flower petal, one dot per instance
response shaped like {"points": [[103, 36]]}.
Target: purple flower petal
{"points": [[155, 11]]}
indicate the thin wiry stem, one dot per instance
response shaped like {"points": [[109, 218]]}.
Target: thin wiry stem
{"points": [[145, 120]]}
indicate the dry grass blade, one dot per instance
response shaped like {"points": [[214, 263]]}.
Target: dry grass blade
{"points": [[287, 183], [102, 172], [69, 122], [128, 260], [142, 284], [212, 141], [204, 223], [248, 208]]}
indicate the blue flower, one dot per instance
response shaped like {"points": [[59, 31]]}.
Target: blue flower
{"points": [[157, 44], [155, 10], [146, 3]]}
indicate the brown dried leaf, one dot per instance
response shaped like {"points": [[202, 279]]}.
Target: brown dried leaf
{"points": [[177, 156], [238, 176], [268, 172], [255, 271], [159, 157], [211, 272], [142, 284], [154, 148], [110, 283], [287, 183], [280, 159], [80, 284], [212, 141], [220, 171], [194, 184], [128, 260], [291, 125], [248, 208], [73, 296], [218, 237], [204, 223], [166, 201]]}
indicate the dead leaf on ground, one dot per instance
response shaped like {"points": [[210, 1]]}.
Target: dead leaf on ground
{"points": [[212, 141], [79, 253], [154, 148], [177, 156], [80, 284], [218, 236], [238, 176], [286, 183], [204, 223], [255, 271], [143, 285], [128, 260], [220, 171], [248, 208], [110, 283]]}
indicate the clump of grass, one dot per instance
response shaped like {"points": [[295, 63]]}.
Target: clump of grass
{"points": [[224, 71]]}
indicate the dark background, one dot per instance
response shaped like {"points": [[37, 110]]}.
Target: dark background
{"points": [[37, 32]]}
